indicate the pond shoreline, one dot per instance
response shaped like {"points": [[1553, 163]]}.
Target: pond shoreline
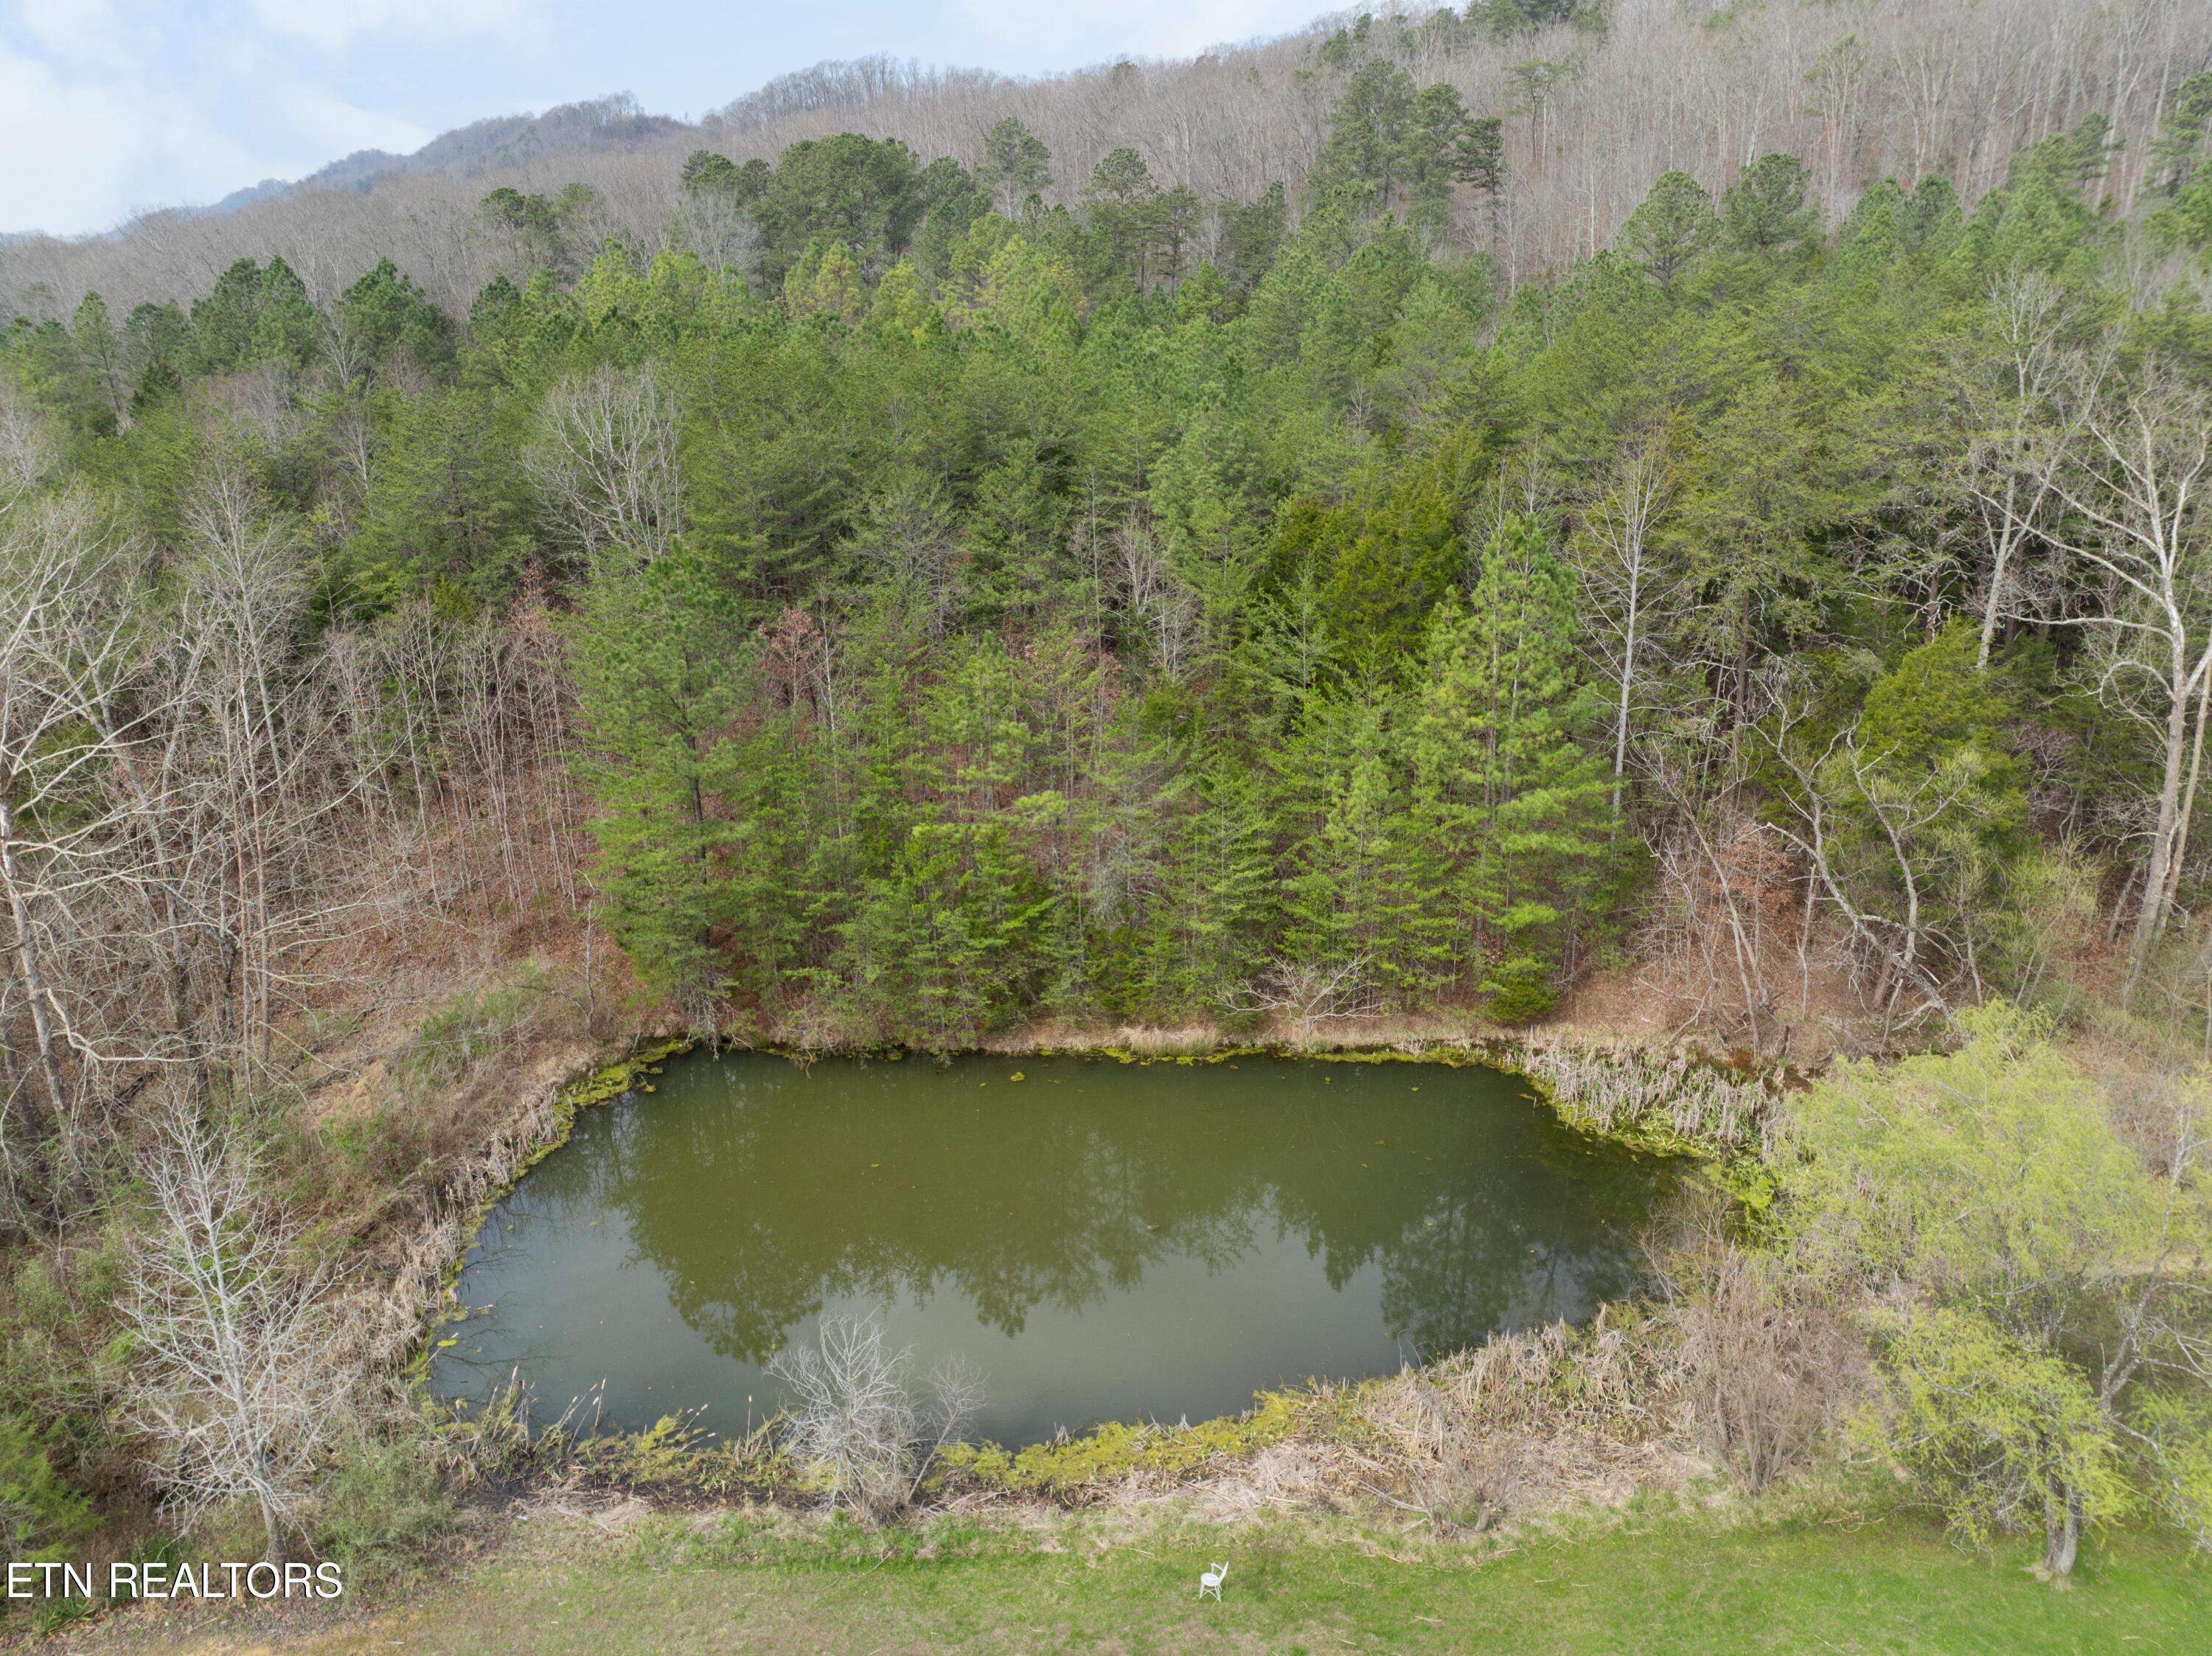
{"points": [[1103, 1241], [1628, 1093], [1682, 1103]]}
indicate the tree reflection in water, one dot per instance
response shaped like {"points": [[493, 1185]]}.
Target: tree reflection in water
{"points": [[1443, 1201]]}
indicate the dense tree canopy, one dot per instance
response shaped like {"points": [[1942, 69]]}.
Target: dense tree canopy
{"points": [[976, 608]]}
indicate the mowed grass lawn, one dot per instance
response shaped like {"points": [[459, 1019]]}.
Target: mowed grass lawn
{"points": [[1677, 1583]]}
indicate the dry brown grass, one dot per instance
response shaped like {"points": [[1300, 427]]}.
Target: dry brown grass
{"points": [[1527, 1423], [1677, 1094], [427, 1070]]}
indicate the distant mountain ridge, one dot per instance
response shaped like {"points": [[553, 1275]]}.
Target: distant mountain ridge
{"points": [[1588, 115], [615, 122]]}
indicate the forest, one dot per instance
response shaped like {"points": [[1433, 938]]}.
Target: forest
{"points": [[909, 599]]}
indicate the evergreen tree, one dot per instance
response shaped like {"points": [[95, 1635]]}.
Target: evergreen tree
{"points": [[658, 680], [1388, 555], [1368, 128], [1672, 225], [705, 172], [384, 312], [1477, 157], [1356, 903], [1126, 209], [1225, 866], [2182, 136], [1251, 235], [952, 200], [826, 283], [1765, 208], [1435, 136], [1509, 804], [102, 351], [863, 192], [1016, 165]]}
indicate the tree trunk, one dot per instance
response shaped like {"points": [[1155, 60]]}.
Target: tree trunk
{"points": [[42, 1123], [1999, 567], [2188, 799], [278, 1551], [2152, 910], [1627, 678], [2062, 1536]]}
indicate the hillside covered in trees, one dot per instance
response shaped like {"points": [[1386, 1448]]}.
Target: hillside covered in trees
{"points": [[1291, 538], [962, 609], [1594, 101]]}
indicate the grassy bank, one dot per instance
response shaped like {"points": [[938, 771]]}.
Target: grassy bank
{"points": [[1668, 1583]]}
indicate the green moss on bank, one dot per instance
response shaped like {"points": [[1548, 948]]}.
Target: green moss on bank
{"points": [[1071, 1467]]}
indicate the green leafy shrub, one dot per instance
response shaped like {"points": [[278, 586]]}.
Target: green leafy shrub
{"points": [[1519, 989], [381, 1508], [2172, 1428], [53, 1615], [472, 1027], [39, 1512], [1999, 1437]]}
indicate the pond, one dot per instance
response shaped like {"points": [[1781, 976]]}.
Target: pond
{"points": [[1101, 1241]]}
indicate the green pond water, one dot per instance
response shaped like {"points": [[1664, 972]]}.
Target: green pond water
{"points": [[1101, 1241]]}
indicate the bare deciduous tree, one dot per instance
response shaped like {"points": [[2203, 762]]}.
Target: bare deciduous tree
{"points": [[27, 448], [604, 463], [2136, 525], [1622, 572], [2017, 441], [711, 225], [180, 769], [236, 1343], [67, 647], [858, 1420], [1888, 905], [1949, 86], [1156, 598]]}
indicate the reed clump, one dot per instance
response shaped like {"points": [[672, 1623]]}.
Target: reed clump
{"points": [[1675, 1100]]}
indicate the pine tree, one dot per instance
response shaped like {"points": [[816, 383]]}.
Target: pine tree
{"points": [[1225, 865], [1507, 806], [1355, 901], [657, 661], [1365, 150], [1016, 164], [1672, 225]]}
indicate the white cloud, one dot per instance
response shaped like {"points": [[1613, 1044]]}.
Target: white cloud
{"points": [[85, 152], [1154, 28], [326, 126], [79, 31], [334, 25], [110, 105]]}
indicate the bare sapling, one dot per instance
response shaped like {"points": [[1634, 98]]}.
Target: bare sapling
{"points": [[1770, 1370], [857, 1420], [234, 1382]]}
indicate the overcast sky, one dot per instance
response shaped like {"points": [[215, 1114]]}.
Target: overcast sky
{"points": [[110, 105]]}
